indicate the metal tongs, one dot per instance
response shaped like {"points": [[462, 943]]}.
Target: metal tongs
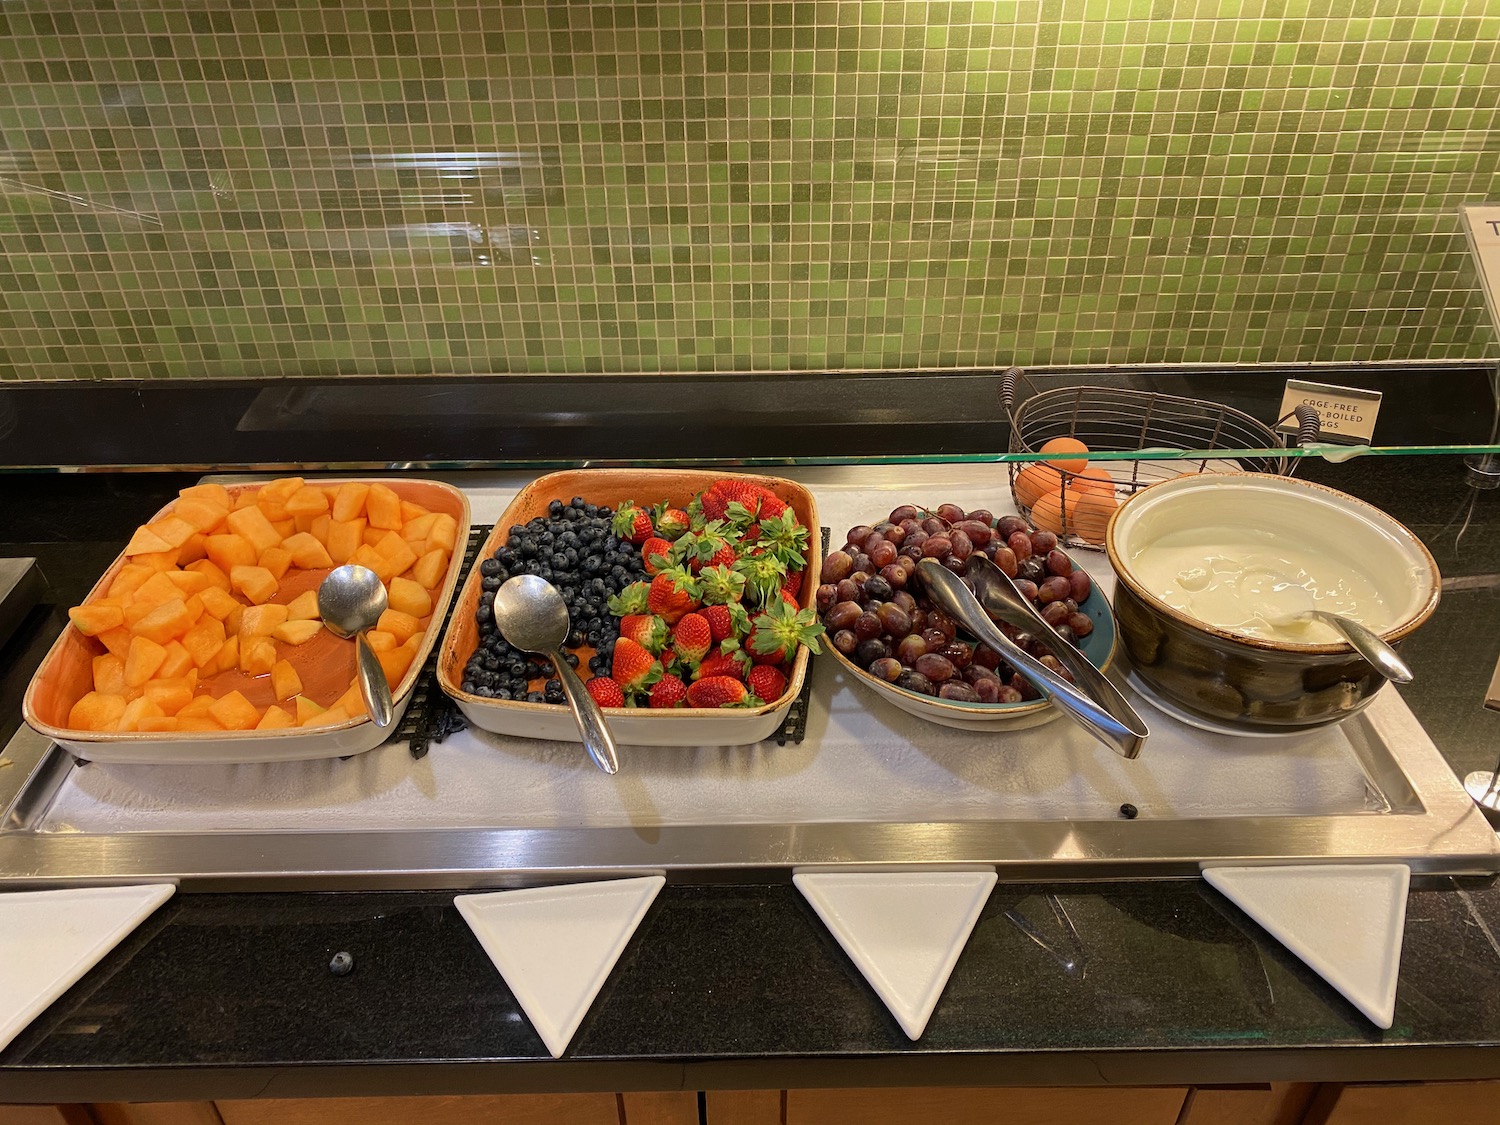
{"points": [[1100, 709]]}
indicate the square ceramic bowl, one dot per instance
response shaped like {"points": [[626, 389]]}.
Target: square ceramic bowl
{"points": [[632, 726], [325, 664]]}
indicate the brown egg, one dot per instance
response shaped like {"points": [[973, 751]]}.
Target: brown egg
{"points": [[1089, 511], [1033, 482], [1047, 513]]}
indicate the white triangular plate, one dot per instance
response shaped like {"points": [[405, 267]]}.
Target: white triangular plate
{"points": [[556, 946], [1345, 920], [903, 929], [49, 939]]}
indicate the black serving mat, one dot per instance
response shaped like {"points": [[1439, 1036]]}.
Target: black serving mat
{"points": [[431, 716]]}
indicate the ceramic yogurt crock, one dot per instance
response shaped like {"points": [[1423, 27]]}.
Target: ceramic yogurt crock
{"points": [[1256, 683]]}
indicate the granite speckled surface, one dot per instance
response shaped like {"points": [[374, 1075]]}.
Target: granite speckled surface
{"points": [[230, 995]]}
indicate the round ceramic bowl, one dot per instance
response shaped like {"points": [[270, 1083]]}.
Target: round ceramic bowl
{"points": [[1249, 682], [1098, 647]]}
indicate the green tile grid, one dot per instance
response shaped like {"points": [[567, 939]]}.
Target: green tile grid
{"points": [[221, 188]]}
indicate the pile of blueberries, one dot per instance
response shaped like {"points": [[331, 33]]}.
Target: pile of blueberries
{"points": [[575, 549]]}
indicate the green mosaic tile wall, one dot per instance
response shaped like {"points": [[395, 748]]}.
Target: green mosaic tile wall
{"points": [[278, 187]]}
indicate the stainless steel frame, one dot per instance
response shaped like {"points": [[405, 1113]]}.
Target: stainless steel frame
{"points": [[1423, 818]]}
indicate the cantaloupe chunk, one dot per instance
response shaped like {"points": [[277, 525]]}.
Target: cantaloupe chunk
{"points": [[203, 515], [307, 709], [411, 510], [159, 560], [170, 695], [306, 551], [261, 620], [444, 533], [156, 590], [232, 621], [166, 621], [304, 607], [429, 570], [145, 541], [277, 492], [369, 557], [235, 712], [228, 658], [297, 632], [109, 674], [285, 527], [136, 710], [352, 702], [257, 655], [91, 620], [215, 494], [210, 570], [400, 625], [190, 582], [129, 580], [196, 707], [195, 607], [329, 718], [218, 603], [157, 724], [229, 551], [172, 530], [396, 661], [245, 498], [383, 507], [381, 641], [344, 538], [408, 597], [398, 551], [349, 504], [285, 682], [198, 723], [204, 640], [96, 711], [194, 549], [275, 718], [306, 501], [277, 560], [303, 525], [417, 530], [256, 582], [142, 661], [319, 529], [374, 535], [252, 525], [117, 640], [178, 661]]}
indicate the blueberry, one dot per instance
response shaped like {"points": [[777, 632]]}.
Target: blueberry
{"points": [[1129, 811], [342, 964]]}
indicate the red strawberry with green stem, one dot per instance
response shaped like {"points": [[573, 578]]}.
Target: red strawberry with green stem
{"points": [[672, 523], [785, 538], [730, 661], [672, 594], [764, 575], [720, 585], [726, 622], [766, 681], [720, 691], [692, 638], [668, 691], [645, 629], [632, 523], [606, 692], [635, 598], [776, 633], [633, 668], [656, 552]]}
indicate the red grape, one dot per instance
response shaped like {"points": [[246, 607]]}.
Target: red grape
{"points": [[827, 595], [936, 668], [1041, 542], [1005, 559], [934, 526], [960, 545], [952, 513], [1058, 563], [845, 641], [1009, 525], [979, 533], [857, 535], [1081, 624], [842, 616], [868, 626], [982, 515], [895, 575], [937, 547], [1020, 543], [959, 693], [909, 648], [1082, 585], [905, 512], [838, 565], [887, 668], [1053, 589]]}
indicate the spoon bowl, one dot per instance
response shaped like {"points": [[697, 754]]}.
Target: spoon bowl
{"points": [[532, 616], [350, 601]]}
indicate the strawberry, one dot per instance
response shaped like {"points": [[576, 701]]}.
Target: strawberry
{"points": [[635, 598], [726, 662], [672, 523], [792, 587], [764, 575], [720, 691], [720, 585], [766, 681], [721, 494], [606, 692], [668, 691], [646, 630], [784, 538], [773, 506], [657, 553], [632, 523], [726, 622], [669, 661], [692, 638], [672, 594], [778, 631], [634, 669]]}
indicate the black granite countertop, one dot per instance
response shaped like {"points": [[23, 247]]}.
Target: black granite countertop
{"points": [[229, 995]]}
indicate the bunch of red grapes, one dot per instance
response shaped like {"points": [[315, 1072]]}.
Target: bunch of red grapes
{"points": [[878, 615]]}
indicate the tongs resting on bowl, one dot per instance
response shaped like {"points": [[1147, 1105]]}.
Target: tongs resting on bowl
{"points": [[1124, 733]]}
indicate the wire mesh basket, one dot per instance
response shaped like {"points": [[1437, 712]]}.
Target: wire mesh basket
{"points": [[1074, 498]]}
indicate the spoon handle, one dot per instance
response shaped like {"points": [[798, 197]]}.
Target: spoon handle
{"points": [[1369, 645], [372, 683], [597, 740]]}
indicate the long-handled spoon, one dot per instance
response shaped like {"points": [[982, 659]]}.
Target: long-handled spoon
{"points": [[351, 600]]}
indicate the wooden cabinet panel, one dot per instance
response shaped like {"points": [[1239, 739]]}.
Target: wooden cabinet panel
{"points": [[1447, 1103], [675, 1107], [744, 1107], [508, 1109], [45, 1115], [156, 1113], [958, 1106]]}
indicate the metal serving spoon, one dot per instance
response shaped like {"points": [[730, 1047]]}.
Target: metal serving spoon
{"points": [[531, 615], [1366, 642], [958, 601], [1001, 599], [351, 600]]}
